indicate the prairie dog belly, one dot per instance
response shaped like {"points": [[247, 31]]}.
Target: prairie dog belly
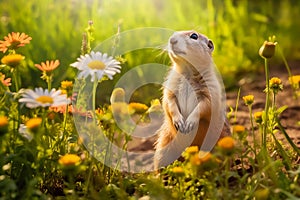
{"points": [[186, 97]]}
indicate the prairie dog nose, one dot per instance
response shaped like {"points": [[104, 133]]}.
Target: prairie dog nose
{"points": [[173, 40]]}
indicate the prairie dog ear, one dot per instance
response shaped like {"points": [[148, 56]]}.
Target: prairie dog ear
{"points": [[210, 45]]}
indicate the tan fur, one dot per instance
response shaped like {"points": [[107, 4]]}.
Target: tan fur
{"points": [[191, 98]]}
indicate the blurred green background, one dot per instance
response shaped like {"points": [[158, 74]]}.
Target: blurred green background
{"points": [[237, 27]]}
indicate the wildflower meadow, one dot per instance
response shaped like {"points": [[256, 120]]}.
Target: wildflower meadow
{"points": [[84, 127]]}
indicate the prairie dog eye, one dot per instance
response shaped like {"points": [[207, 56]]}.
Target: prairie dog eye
{"points": [[194, 36], [210, 44]]}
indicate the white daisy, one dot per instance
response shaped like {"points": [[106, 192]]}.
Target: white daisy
{"points": [[97, 65], [43, 98]]}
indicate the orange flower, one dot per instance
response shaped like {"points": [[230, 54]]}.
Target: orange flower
{"points": [[204, 156], [238, 129], [61, 108], [3, 121], [33, 124], [195, 160], [48, 66], [3, 125], [226, 143], [14, 41], [5, 82]]}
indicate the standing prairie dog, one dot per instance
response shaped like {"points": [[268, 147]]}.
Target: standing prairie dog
{"points": [[193, 99]]}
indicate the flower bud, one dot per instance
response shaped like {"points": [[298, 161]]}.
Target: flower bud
{"points": [[267, 50]]}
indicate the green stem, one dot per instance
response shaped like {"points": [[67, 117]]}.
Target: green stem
{"points": [[252, 127], [16, 79], [237, 104], [64, 136], [94, 91], [288, 70], [49, 80], [284, 61], [288, 138], [92, 133], [273, 102], [265, 128], [227, 168]]}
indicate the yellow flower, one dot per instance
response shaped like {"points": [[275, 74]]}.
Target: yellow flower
{"points": [[3, 121], [249, 99], [67, 88], [267, 50], [66, 85], [258, 117], [192, 149], [138, 107], [3, 125], [14, 41], [195, 160], [276, 84], [294, 79], [204, 156], [178, 170], [12, 60], [226, 143], [69, 160], [33, 124], [238, 129], [49, 66]]}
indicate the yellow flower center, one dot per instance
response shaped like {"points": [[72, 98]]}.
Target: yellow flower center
{"points": [[96, 64], [44, 99]]}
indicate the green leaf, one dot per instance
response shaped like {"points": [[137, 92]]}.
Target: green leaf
{"points": [[281, 109]]}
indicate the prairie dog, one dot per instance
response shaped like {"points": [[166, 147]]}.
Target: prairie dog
{"points": [[193, 101]]}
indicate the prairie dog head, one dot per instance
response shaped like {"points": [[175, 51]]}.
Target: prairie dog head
{"points": [[190, 48]]}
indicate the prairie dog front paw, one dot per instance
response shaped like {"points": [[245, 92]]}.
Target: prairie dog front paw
{"points": [[190, 124], [179, 123]]}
